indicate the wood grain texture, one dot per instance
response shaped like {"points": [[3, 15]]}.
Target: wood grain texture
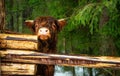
{"points": [[13, 41], [64, 60]]}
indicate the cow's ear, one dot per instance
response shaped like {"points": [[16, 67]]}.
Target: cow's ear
{"points": [[62, 22], [30, 24]]}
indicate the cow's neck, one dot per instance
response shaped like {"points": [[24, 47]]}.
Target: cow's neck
{"points": [[47, 46]]}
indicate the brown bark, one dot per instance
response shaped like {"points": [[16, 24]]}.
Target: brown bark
{"points": [[13, 41], [103, 38], [107, 45], [19, 36], [2, 15], [16, 68], [8, 69], [54, 59]]}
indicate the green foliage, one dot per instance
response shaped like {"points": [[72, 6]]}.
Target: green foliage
{"points": [[90, 14], [55, 8], [87, 16], [85, 33]]}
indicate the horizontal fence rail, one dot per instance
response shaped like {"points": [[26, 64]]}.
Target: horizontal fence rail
{"points": [[11, 46], [65, 60]]}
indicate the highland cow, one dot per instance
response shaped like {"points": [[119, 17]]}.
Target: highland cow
{"points": [[46, 29]]}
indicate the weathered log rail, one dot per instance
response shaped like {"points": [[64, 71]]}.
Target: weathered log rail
{"points": [[22, 49], [13, 41], [29, 42], [64, 60]]}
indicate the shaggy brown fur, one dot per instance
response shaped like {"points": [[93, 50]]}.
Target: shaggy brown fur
{"points": [[47, 42]]}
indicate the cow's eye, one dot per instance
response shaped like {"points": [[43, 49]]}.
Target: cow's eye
{"points": [[40, 30], [46, 31]]}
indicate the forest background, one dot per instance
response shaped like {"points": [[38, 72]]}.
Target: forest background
{"points": [[93, 27]]}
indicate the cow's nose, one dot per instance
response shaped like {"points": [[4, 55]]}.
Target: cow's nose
{"points": [[43, 31]]}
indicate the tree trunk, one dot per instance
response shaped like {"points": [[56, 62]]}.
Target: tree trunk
{"points": [[107, 46], [18, 17], [73, 70], [90, 72], [103, 38], [2, 15]]}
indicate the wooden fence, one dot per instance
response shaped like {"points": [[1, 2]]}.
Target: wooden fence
{"points": [[19, 55]]}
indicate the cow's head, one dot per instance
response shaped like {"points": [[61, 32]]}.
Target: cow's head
{"points": [[45, 27]]}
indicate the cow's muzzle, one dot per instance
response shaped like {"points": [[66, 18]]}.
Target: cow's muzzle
{"points": [[44, 33]]}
